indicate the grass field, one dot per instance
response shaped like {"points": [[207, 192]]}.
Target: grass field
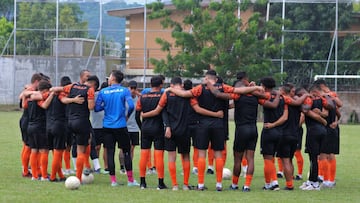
{"points": [[14, 188]]}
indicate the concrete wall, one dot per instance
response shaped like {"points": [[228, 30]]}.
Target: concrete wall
{"points": [[13, 81]]}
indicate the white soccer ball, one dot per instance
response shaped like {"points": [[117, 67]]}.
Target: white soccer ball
{"points": [[226, 174], [87, 179], [72, 183]]}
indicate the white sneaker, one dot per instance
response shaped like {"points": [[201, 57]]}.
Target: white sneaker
{"points": [[122, 172], [175, 188], [311, 187], [305, 184], [195, 171], [134, 183], [149, 171], [186, 187]]}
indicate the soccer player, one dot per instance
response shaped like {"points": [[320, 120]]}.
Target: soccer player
{"points": [[152, 130], [315, 136], [298, 154], [112, 100], [38, 138], [24, 121], [79, 113], [210, 129]]}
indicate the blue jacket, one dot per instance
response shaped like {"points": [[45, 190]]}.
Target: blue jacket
{"points": [[112, 100]]}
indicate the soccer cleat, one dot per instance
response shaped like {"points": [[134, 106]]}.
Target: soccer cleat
{"points": [[161, 187], [289, 188], [280, 174], [245, 189], [28, 175], [132, 184], [142, 186], [54, 180], [114, 184], [218, 188], [97, 171], [305, 184], [275, 188], [175, 188], [44, 179], [233, 187], [32, 178], [187, 187], [87, 171], [266, 187], [62, 179], [122, 172], [210, 171], [153, 171], [105, 171], [311, 187], [298, 177], [149, 171]]}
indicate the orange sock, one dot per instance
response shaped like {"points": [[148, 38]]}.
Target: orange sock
{"points": [[224, 154], [34, 164], [67, 159], [210, 156], [244, 161], [332, 169], [144, 159], [235, 180], [154, 164], [172, 171], [186, 170], [195, 157], [268, 170], [289, 184], [44, 156], [55, 164], [60, 157], [322, 167], [159, 156], [280, 165], [201, 170], [248, 180], [87, 157], [80, 164], [25, 159], [299, 161], [219, 169], [149, 165], [39, 164]]}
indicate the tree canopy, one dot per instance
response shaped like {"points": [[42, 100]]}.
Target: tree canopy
{"points": [[214, 36]]}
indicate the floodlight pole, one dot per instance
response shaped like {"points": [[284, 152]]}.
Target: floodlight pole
{"points": [[145, 46], [14, 57], [239, 11], [336, 40], [57, 44], [282, 38]]}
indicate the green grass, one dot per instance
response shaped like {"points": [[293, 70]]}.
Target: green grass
{"points": [[14, 188]]}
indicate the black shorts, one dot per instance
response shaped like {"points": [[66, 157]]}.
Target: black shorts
{"points": [[117, 135], [56, 135], [81, 128], [99, 135], [215, 136], [190, 131], [300, 133], [245, 137], [287, 146], [24, 122], [69, 136], [148, 139], [181, 142], [270, 141], [37, 136], [332, 142], [134, 138], [315, 139]]}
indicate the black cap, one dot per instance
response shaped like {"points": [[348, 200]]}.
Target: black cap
{"points": [[133, 83]]}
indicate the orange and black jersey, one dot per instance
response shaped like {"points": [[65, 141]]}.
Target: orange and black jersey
{"points": [[175, 112], [319, 103], [332, 114], [36, 113], [78, 111], [291, 126], [56, 110], [273, 114], [148, 102], [246, 109]]}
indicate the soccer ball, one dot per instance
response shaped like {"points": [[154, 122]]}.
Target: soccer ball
{"points": [[226, 174], [87, 179], [72, 183]]}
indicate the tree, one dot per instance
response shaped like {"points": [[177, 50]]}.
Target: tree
{"points": [[6, 9], [6, 28], [316, 45], [215, 36], [38, 21]]}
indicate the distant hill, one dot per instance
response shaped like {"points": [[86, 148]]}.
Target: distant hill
{"points": [[113, 27]]}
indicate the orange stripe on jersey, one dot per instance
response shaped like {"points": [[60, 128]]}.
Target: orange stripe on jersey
{"points": [[287, 99], [262, 101], [324, 101], [91, 94], [67, 88], [193, 101], [308, 101], [228, 88], [163, 100], [196, 91], [138, 104]]}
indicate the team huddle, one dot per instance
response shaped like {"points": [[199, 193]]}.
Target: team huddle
{"points": [[84, 115]]}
